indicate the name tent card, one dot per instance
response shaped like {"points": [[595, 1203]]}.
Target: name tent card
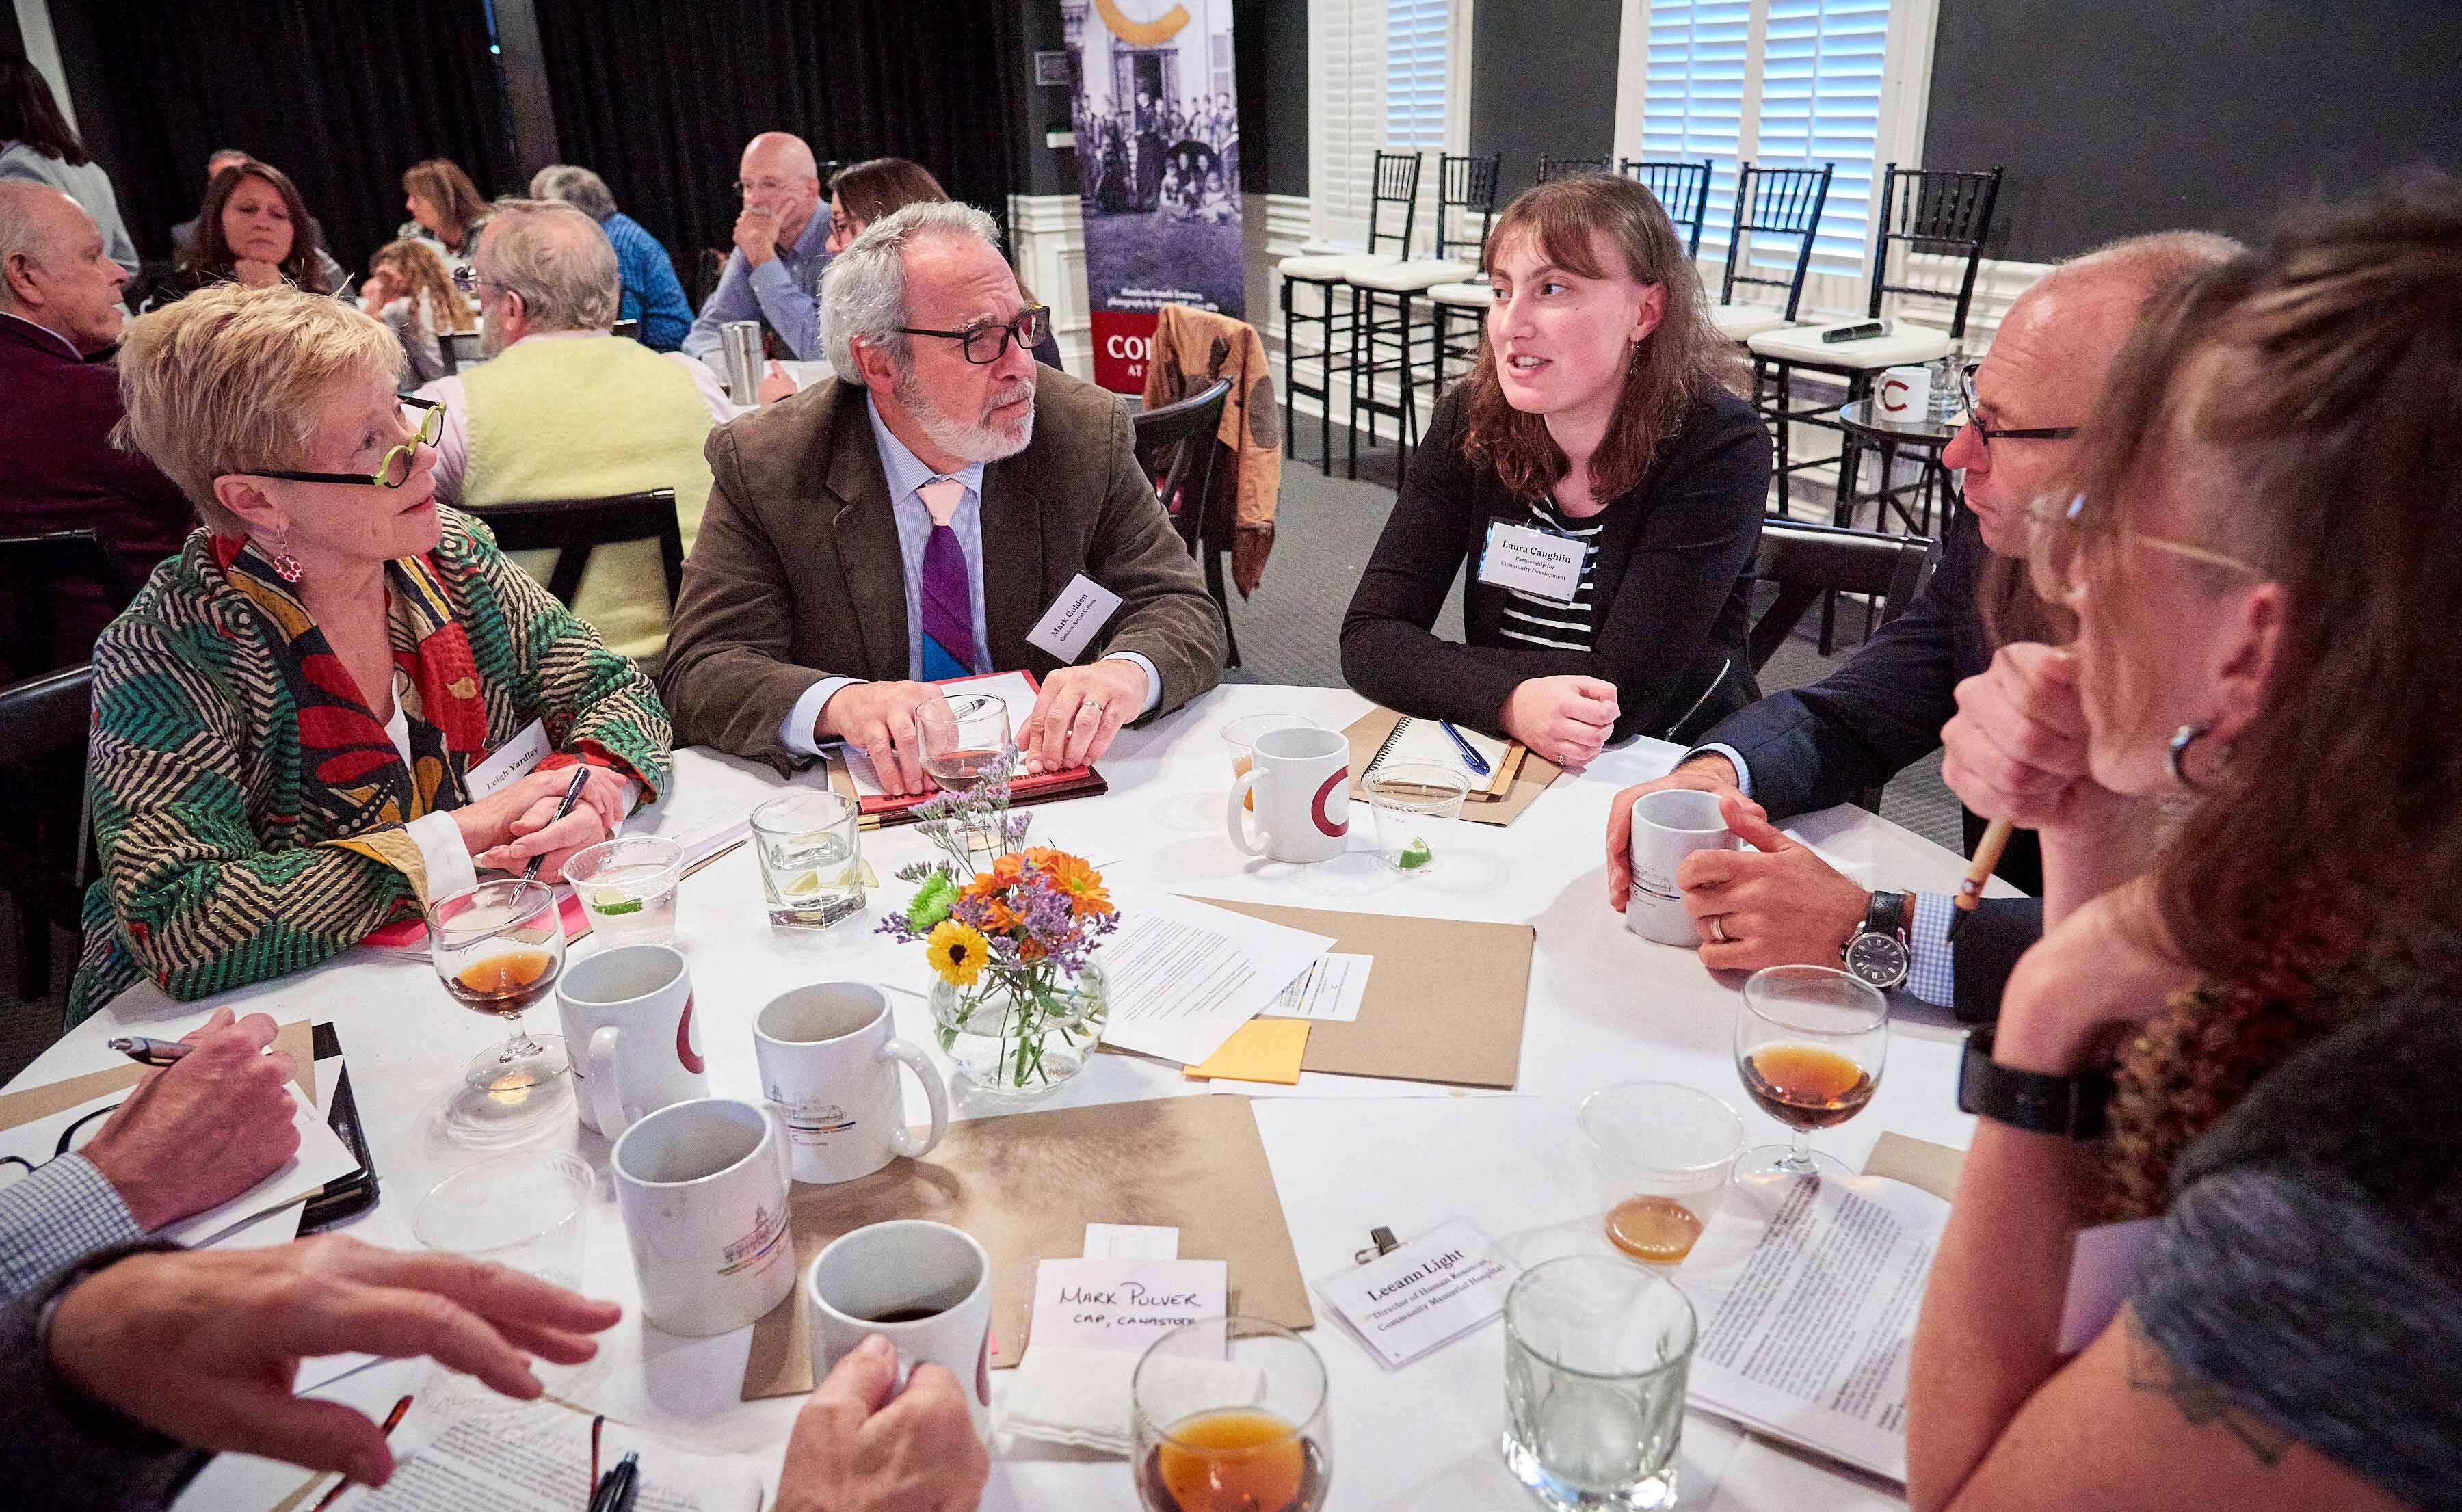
{"points": [[1122, 1305], [1443, 1284]]}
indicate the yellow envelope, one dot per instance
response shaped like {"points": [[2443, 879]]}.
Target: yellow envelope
{"points": [[1261, 1050]]}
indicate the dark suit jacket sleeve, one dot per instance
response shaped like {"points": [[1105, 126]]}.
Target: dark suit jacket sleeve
{"points": [[1987, 951], [1822, 743], [729, 680], [1165, 613], [1704, 524]]}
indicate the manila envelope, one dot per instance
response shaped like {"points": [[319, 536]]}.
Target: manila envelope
{"points": [[42, 1102], [1917, 1162], [1445, 999], [1367, 733], [1026, 1186]]}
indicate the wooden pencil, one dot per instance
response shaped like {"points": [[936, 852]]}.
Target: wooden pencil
{"points": [[1987, 856]]}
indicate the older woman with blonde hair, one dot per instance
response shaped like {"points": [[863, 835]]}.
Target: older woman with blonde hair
{"points": [[287, 716], [2251, 1041], [411, 291]]}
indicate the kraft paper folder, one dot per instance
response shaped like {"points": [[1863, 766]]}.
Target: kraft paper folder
{"points": [[1444, 1000], [1919, 1163], [42, 1102], [1369, 733], [1026, 1185]]}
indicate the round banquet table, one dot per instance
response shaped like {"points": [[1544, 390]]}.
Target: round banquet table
{"points": [[1348, 1154]]}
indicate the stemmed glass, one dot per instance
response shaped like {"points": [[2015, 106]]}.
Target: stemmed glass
{"points": [[498, 948], [1809, 1045]]}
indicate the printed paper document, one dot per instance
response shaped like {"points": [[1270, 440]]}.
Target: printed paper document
{"points": [[1183, 976]]}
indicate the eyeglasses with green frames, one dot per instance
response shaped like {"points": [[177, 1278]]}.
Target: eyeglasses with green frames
{"points": [[395, 470]]}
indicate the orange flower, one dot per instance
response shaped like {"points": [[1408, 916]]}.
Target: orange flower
{"points": [[1082, 884], [1005, 873]]}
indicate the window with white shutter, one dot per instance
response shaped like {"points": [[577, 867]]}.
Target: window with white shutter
{"points": [[1381, 84], [1694, 101]]}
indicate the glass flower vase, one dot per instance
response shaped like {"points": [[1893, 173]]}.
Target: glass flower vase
{"points": [[1016, 1036]]}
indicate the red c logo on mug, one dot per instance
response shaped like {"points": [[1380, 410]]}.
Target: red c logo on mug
{"points": [[1316, 806], [1890, 391], [684, 1051]]}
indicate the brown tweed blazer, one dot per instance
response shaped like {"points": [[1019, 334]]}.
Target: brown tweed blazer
{"points": [[796, 575]]}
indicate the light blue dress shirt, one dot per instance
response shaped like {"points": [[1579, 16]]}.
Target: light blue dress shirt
{"points": [[786, 292], [907, 474]]}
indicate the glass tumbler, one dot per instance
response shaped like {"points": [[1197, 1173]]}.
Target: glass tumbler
{"points": [[1596, 1353], [811, 865], [1230, 1417], [627, 886]]}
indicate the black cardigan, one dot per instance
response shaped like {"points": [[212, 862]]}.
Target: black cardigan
{"points": [[1668, 584]]}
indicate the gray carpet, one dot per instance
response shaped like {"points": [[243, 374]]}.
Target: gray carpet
{"points": [[1325, 530]]}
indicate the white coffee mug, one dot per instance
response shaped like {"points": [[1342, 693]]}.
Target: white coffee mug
{"points": [[1903, 394], [703, 1186], [628, 1023], [924, 1286], [1302, 780], [1668, 826], [828, 1061]]}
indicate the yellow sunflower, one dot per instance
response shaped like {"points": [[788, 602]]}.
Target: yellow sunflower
{"points": [[956, 951]]}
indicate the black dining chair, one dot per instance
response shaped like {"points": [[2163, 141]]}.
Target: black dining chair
{"points": [[1809, 563], [1551, 169], [1777, 215], [45, 843], [32, 639], [1682, 191], [1177, 446], [629, 330], [573, 528]]}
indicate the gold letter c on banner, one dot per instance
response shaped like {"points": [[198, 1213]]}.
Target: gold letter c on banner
{"points": [[1142, 34]]}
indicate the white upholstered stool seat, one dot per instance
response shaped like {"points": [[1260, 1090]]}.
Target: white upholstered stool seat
{"points": [[1463, 296], [1411, 277], [1743, 322], [1334, 267], [1904, 345]]}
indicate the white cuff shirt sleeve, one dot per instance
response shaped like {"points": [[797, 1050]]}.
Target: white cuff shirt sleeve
{"points": [[1154, 679], [1734, 759], [796, 732], [450, 869], [1932, 959]]}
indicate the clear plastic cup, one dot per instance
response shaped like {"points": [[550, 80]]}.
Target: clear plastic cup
{"points": [[524, 1211], [627, 886], [1239, 737], [1417, 809], [1662, 1154]]}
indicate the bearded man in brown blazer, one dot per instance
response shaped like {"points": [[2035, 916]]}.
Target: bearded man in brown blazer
{"points": [[916, 517]]}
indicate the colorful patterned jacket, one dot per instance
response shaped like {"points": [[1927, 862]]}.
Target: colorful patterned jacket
{"points": [[249, 806]]}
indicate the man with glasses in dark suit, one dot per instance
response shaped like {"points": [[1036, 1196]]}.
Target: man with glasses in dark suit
{"points": [[1777, 902], [916, 517]]}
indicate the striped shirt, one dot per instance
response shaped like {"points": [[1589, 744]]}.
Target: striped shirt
{"points": [[1537, 621]]}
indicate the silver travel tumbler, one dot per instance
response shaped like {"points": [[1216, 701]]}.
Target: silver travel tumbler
{"points": [[741, 341]]}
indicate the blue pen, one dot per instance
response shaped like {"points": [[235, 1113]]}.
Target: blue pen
{"points": [[1471, 758]]}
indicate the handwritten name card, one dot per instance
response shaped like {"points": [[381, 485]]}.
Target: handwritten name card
{"points": [[1123, 1304]]}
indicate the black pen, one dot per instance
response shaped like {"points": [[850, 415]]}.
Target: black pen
{"points": [[1471, 758], [571, 796], [617, 1488], [150, 1052]]}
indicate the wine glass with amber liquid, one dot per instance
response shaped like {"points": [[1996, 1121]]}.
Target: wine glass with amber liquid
{"points": [[498, 948], [1230, 1417], [1809, 1045]]}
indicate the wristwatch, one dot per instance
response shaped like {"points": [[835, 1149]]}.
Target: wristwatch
{"points": [[2036, 1101], [1878, 952]]}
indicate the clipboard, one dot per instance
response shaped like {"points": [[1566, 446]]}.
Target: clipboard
{"points": [[1369, 733], [1445, 1000], [42, 1102], [1026, 1184], [882, 809]]}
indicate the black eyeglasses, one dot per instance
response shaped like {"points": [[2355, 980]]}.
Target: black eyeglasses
{"points": [[391, 473], [985, 342], [1974, 417]]}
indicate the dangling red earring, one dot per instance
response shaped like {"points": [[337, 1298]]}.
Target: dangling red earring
{"points": [[286, 565]]}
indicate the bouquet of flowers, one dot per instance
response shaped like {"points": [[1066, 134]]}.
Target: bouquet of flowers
{"points": [[1007, 943]]}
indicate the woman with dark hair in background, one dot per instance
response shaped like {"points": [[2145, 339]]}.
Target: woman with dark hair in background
{"points": [[445, 209], [37, 144], [255, 229], [861, 193], [1596, 440]]}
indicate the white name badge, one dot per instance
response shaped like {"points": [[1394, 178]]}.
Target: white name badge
{"points": [[1424, 1295], [1533, 561], [512, 762], [1084, 607]]}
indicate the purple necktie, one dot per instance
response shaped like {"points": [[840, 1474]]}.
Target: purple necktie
{"points": [[948, 600]]}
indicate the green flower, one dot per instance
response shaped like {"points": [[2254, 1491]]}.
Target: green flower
{"points": [[931, 903]]}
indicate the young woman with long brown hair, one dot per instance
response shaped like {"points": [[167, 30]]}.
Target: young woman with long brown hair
{"points": [[1601, 482], [2258, 550], [408, 288]]}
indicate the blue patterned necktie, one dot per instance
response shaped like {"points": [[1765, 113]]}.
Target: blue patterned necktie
{"points": [[947, 595]]}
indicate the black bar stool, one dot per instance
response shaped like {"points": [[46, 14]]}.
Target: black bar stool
{"points": [[1393, 193], [1682, 189], [1388, 334]]}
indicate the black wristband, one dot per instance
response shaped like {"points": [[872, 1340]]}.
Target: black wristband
{"points": [[2038, 1102]]}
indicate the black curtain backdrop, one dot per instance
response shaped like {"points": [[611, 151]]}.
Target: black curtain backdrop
{"points": [[341, 97], [659, 99]]}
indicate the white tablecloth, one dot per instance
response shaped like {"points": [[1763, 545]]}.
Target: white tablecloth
{"points": [[1605, 1006]]}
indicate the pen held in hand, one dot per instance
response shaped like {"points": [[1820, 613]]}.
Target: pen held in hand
{"points": [[146, 1051], [1471, 758], [393, 1420], [571, 796], [1987, 857]]}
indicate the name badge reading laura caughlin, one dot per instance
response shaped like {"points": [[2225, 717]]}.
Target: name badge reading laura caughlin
{"points": [[1533, 561]]}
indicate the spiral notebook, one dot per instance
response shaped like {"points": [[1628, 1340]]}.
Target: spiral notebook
{"points": [[1417, 741], [1377, 738]]}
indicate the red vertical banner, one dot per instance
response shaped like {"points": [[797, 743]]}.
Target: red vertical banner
{"points": [[1158, 130]]}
